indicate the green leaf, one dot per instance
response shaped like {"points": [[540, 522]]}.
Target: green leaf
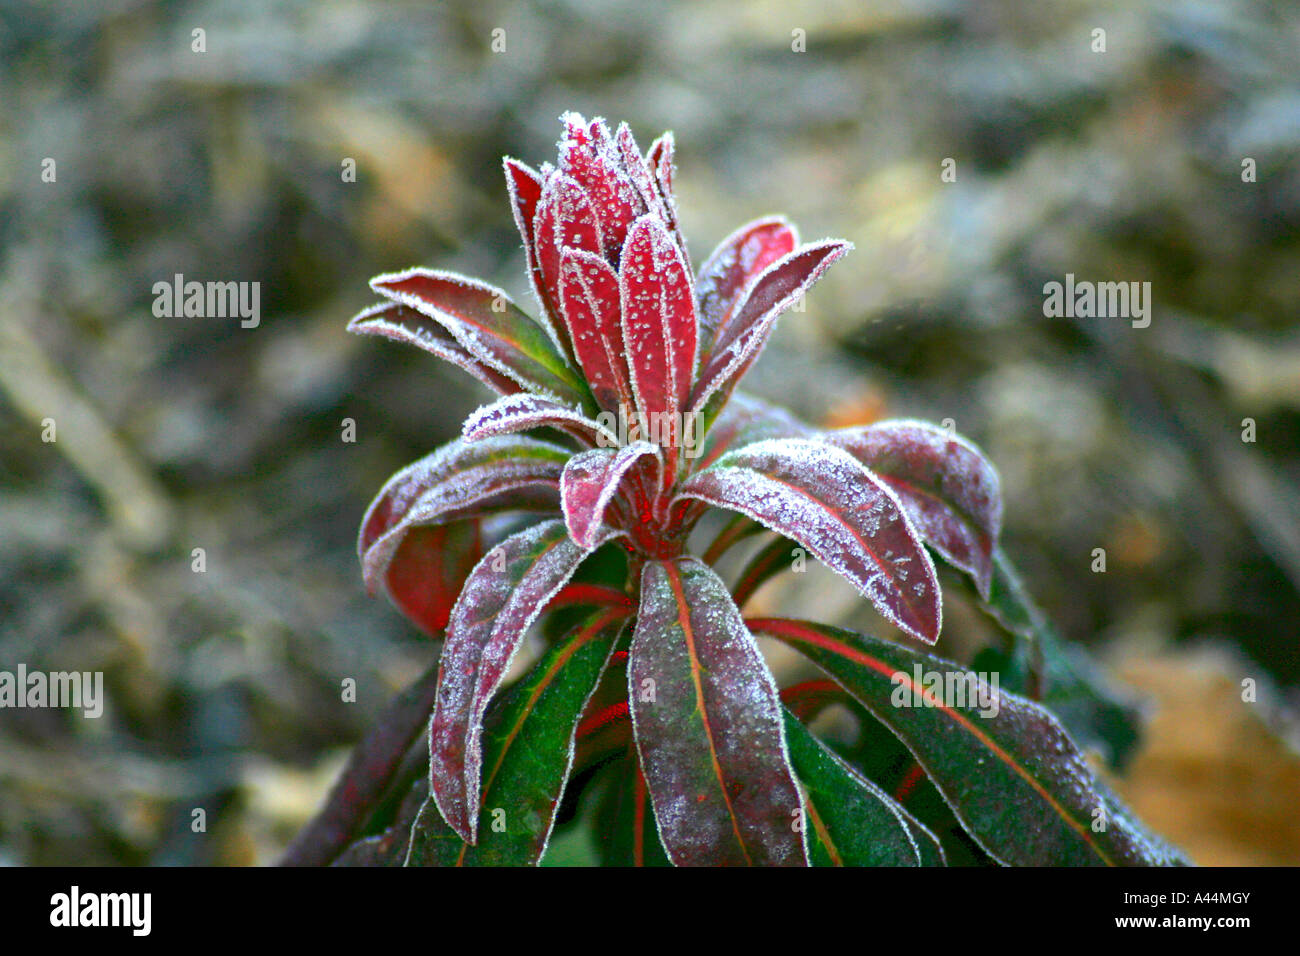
{"points": [[1094, 712], [1011, 774], [852, 822], [433, 843], [625, 820], [528, 752], [572, 846], [927, 843], [605, 567]]}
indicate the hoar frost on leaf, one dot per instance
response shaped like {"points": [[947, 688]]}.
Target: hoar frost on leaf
{"points": [[827, 501], [711, 737], [487, 626]]}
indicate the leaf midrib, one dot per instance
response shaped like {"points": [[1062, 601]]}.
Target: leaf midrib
{"points": [[880, 667], [688, 632]]}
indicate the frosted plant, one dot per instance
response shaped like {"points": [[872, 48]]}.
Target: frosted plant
{"points": [[617, 429]]}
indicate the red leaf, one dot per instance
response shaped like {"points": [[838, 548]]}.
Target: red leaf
{"points": [[459, 480], [595, 595], [780, 286], [589, 483], [525, 188], [659, 158], [395, 321], [428, 569], [587, 155], [737, 260], [590, 293], [823, 498], [708, 726], [517, 413], [950, 490], [638, 171], [565, 219], [489, 326], [502, 596], [659, 324]]}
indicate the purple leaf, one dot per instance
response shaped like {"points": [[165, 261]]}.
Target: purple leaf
{"points": [[780, 286], [708, 726], [502, 596], [826, 500], [460, 480], [590, 293], [659, 324], [737, 260], [589, 483], [517, 413], [489, 326], [742, 421], [950, 490], [395, 321], [370, 771]]}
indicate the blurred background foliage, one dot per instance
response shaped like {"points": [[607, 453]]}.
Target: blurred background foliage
{"points": [[175, 434]]}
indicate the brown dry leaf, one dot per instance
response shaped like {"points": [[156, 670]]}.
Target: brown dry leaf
{"points": [[1212, 774]]}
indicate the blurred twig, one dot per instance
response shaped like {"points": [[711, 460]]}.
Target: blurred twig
{"points": [[137, 506]]}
